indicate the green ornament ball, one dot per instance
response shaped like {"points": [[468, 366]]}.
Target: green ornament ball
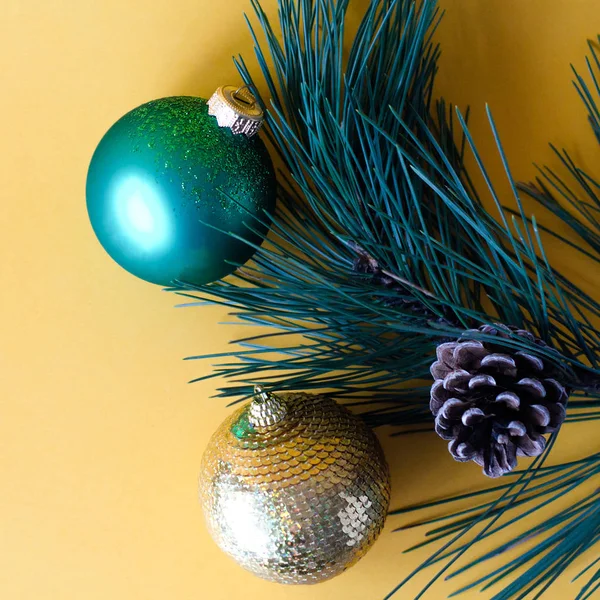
{"points": [[167, 187]]}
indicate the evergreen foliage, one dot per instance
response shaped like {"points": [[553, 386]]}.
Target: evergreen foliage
{"points": [[382, 248]]}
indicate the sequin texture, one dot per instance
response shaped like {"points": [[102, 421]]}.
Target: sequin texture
{"points": [[298, 500]]}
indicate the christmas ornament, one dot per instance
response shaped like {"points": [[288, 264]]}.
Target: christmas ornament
{"points": [[294, 487], [494, 403], [173, 177]]}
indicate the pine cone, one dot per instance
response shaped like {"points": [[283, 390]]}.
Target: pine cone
{"points": [[494, 403]]}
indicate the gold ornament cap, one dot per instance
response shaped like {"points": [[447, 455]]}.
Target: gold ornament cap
{"points": [[237, 109], [266, 409]]}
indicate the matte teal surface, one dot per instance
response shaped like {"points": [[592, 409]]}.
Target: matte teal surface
{"points": [[164, 185]]}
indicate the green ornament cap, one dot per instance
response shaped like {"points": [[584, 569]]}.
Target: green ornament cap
{"points": [[236, 109]]}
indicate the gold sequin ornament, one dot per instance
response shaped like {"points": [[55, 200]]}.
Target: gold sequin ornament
{"points": [[294, 487]]}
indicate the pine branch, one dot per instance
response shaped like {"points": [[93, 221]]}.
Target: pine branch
{"points": [[569, 533], [381, 248], [576, 202]]}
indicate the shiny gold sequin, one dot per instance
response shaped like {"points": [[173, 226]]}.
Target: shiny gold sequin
{"points": [[294, 487]]}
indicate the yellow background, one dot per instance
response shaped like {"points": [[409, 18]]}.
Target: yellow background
{"points": [[100, 436]]}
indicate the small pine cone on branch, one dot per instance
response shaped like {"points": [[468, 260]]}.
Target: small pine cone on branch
{"points": [[494, 403], [365, 264]]}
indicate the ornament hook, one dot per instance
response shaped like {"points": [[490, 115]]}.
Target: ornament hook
{"points": [[259, 394], [250, 100]]}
